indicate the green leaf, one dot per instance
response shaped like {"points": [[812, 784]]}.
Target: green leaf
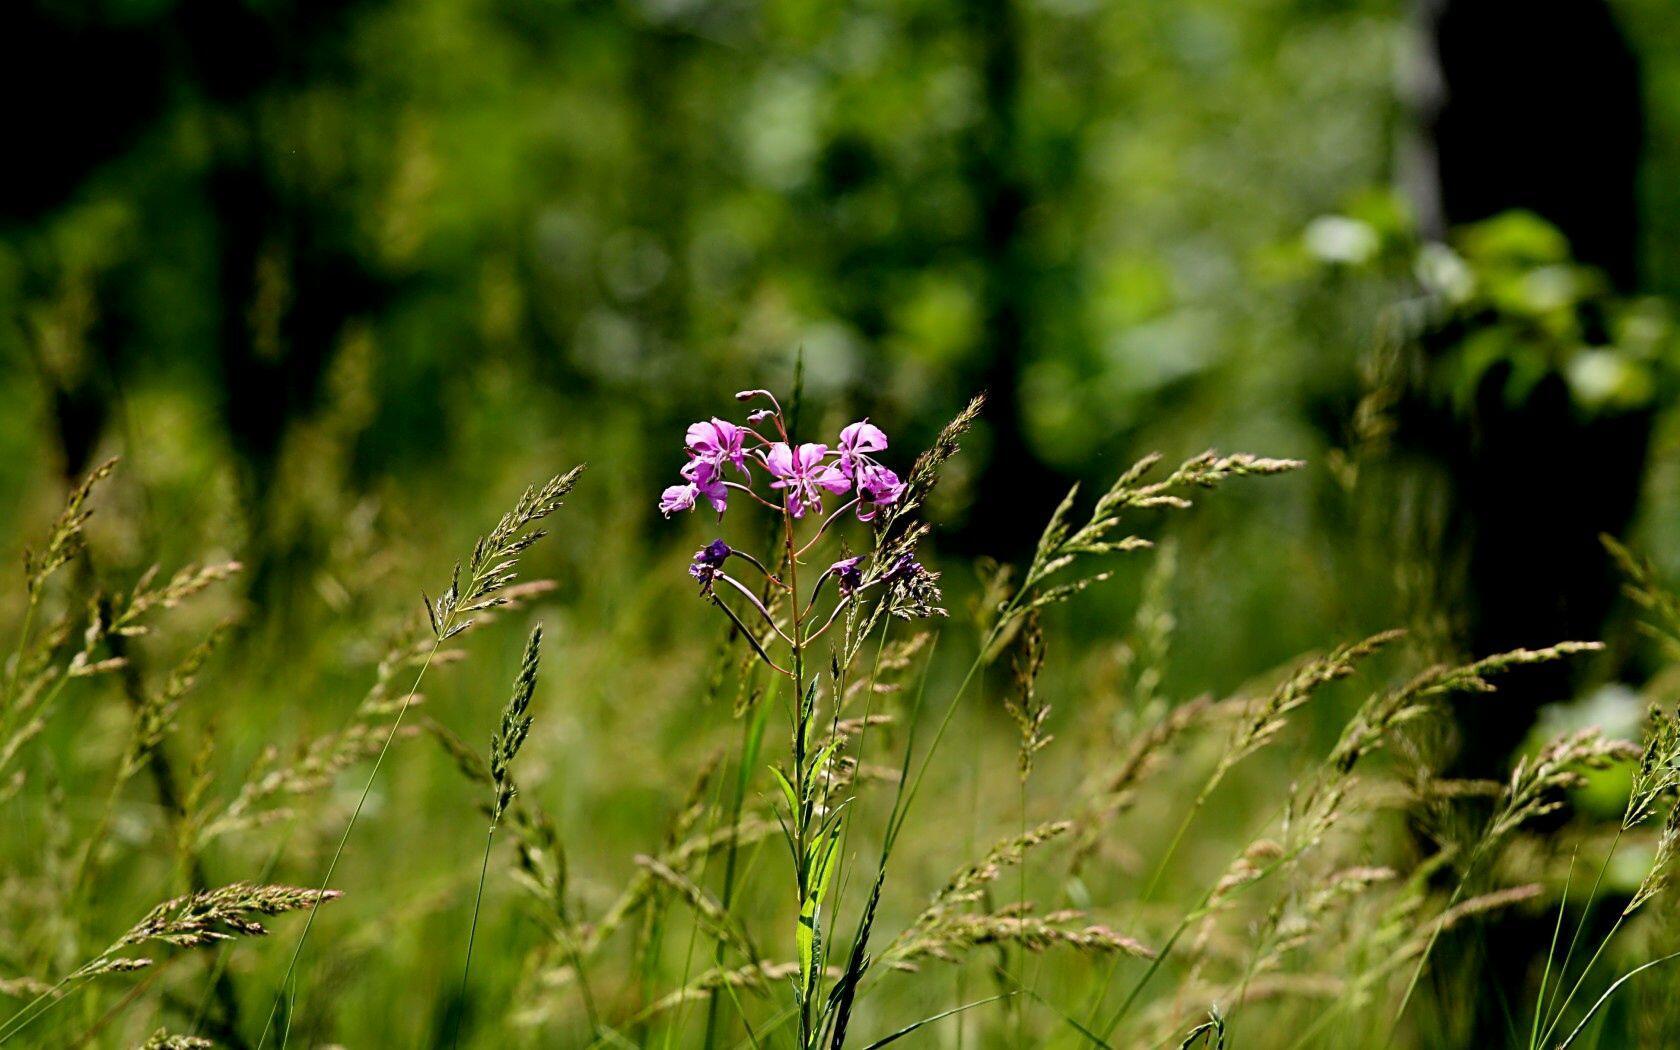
{"points": [[907, 1029], [787, 790]]}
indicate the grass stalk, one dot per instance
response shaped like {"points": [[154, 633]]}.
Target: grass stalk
{"points": [[338, 851], [472, 933]]}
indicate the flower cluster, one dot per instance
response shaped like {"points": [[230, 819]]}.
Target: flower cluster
{"points": [[799, 475], [758, 461]]}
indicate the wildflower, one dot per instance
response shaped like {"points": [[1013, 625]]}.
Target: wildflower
{"points": [[676, 498], [717, 442], [847, 574], [856, 441], [704, 479], [877, 487], [707, 561], [707, 478], [804, 474]]}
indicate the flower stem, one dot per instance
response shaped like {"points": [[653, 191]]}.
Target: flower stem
{"points": [[752, 599], [827, 521], [751, 638], [801, 814], [33, 1009]]}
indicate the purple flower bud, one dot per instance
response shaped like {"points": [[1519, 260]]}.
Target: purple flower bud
{"points": [[707, 561], [760, 416], [748, 395], [846, 574], [912, 591]]}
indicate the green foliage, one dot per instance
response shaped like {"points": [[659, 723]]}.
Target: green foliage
{"points": [[1304, 884], [1518, 307], [334, 303]]}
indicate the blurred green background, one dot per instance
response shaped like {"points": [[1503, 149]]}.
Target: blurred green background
{"points": [[337, 279]]}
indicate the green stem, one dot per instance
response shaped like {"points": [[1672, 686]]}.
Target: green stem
{"points": [[472, 933], [1154, 965], [800, 816], [18, 1022], [1101, 994], [1540, 1005], [1019, 1007], [1178, 837], [1434, 935], [1198, 912], [17, 655], [736, 801], [584, 991], [43, 707], [332, 866], [1608, 992], [1581, 925], [1557, 1019]]}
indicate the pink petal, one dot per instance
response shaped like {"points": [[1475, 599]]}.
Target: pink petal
{"points": [[727, 436], [863, 436], [779, 460], [831, 479], [810, 454], [702, 437]]}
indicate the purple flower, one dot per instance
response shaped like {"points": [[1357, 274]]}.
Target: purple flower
{"points": [[704, 479], [877, 487], [804, 474], [904, 564], [677, 497], [713, 554], [719, 442], [855, 441], [707, 561], [846, 574], [707, 478]]}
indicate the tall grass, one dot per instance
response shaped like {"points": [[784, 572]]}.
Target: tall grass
{"points": [[1150, 870]]}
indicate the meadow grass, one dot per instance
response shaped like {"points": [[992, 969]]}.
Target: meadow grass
{"points": [[845, 816]]}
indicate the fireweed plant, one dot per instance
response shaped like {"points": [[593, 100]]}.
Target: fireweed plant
{"points": [[811, 489], [758, 462]]}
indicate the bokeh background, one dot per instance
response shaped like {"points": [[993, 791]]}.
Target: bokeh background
{"points": [[337, 279]]}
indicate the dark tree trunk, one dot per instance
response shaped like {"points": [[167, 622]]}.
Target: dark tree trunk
{"points": [[1532, 106], [1536, 106], [287, 275], [1018, 490]]}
